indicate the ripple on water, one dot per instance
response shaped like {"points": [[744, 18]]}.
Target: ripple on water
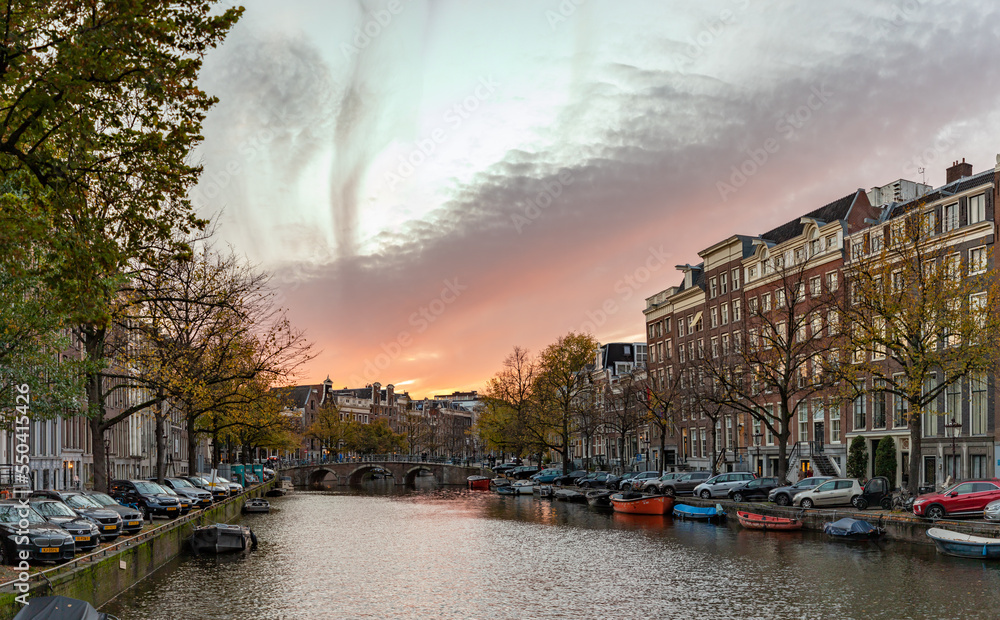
{"points": [[477, 555]]}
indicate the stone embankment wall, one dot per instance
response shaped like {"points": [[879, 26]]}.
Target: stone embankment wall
{"points": [[101, 576]]}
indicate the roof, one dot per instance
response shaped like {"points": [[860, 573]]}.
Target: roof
{"points": [[836, 210], [298, 395], [955, 187]]}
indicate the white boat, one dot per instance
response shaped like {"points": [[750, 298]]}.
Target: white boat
{"points": [[523, 487], [222, 538]]}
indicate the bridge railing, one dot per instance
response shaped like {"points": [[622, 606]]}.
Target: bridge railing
{"points": [[383, 458]]}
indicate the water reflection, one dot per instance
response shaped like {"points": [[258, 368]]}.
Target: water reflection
{"points": [[383, 553]]}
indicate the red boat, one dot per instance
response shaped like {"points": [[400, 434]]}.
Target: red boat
{"points": [[479, 482], [642, 504], [755, 521]]}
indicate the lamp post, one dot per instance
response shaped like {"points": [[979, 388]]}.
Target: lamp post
{"points": [[756, 443], [957, 426]]}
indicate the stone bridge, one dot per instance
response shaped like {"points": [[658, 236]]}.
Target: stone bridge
{"points": [[403, 473]]}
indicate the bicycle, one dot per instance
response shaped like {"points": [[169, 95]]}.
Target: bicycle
{"points": [[902, 500]]}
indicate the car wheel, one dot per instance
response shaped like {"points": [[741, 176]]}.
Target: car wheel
{"points": [[669, 492], [935, 512], [626, 487], [738, 497], [886, 503], [705, 494], [6, 558], [859, 502], [807, 503], [782, 500]]}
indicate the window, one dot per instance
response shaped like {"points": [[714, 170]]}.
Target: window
{"points": [[953, 266], [779, 298], [725, 344], [752, 305], [713, 288], [736, 279], [680, 353], [831, 281], [857, 248], [977, 308], [800, 292], [701, 349], [815, 247], [817, 325], [780, 333], [929, 223], [897, 281], [860, 421], [835, 424], [977, 260], [803, 424], [878, 403], [714, 317], [715, 347], [691, 350], [765, 302], [953, 401], [800, 330], [831, 322], [929, 418], [751, 273], [769, 415], [725, 314], [949, 220], [878, 340], [875, 245], [898, 407], [723, 285], [690, 322], [831, 241], [736, 310], [680, 327], [704, 442], [977, 209], [800, 256], [815, 286], [668, 349], [651, 331]]}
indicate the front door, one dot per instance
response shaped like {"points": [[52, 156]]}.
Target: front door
{"points": [[930, 470], [819, 436]]}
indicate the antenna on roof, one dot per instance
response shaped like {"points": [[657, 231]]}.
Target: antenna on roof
{"points": [[923, 179]]}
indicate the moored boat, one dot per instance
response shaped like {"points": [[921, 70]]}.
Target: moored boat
{"points": [[965, 545], [61, 608], [852, 529], [599, 499], [223, 538], [479, 482], [754, 521], [569, 495], [256, 505], [699, 513], [523, 487], [543, 490], [505, 489], [636, 503]]}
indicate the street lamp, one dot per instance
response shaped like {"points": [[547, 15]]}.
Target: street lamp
{"points": [[756, 442], [957, 426]]}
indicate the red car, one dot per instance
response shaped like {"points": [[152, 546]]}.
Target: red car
{"points": [[962, 499]]}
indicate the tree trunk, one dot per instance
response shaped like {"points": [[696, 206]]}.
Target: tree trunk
{"points": [[93, 344], [100, 455], [783, 456], [715, 448], [161, 446], [192, 447], [663, 451], [916, 427]]}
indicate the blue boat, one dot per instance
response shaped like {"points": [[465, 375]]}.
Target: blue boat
{"points": [[965, 545], [708, 513], [852, 529]]}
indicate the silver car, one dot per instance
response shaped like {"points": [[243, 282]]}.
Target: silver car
{"points": [[992, 511], [718, 486]]}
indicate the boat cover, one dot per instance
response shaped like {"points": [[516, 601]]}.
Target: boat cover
{"points": [[701, 511], [849, 527], [58, 608]]}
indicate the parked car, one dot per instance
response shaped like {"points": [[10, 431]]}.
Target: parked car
{"points": [[570, 478], [719, 485], [653, 486], [131, 517], [185, 503], [992, 511], [593, 480], [751, 490], [146, 496], [614, 481], [218, 491], [876, 492], [834, 492], [684, 485], [966, 498], [85, 533], [547, 475], [200, 497], [522, 472], [503, 468], [40, 540], [782, 496], [110, 522], [638, 480]]}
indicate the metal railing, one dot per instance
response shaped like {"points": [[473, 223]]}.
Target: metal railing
{"points": [[383, 458]]}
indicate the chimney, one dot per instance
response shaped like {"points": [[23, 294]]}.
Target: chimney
{"points": [[957, 171]]}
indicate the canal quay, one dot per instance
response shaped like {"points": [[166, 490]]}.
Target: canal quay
{"points": [[382, 552]]}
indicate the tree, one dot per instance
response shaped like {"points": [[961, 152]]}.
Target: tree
{"points": [[660, 399], [558, 384], [623, 411], [857, 458], [329, 427], [885, 459], [508, 401], [916, 321], [589, 419], [781, 357]]}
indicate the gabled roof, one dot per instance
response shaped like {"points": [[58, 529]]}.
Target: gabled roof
{"points": [[836, 210], [297, 396]]}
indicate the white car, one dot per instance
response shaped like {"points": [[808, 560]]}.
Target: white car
{"points": [[836, 492], [719, 485]]}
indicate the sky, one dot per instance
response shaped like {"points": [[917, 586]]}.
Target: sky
{"points": [[435, 182]]}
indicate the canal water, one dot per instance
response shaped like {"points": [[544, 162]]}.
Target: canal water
{"points": [[461, 554]]}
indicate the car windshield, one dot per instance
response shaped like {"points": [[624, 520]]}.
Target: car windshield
{"points": [[82, 501], [148, 488], [199, 480], [14, 514], [165, 489], [53, 509], [180, 484], [103, 499]]}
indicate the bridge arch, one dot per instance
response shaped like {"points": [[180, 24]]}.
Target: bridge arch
{"points": [[317, 476], [357, 475], [410, 477]]}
